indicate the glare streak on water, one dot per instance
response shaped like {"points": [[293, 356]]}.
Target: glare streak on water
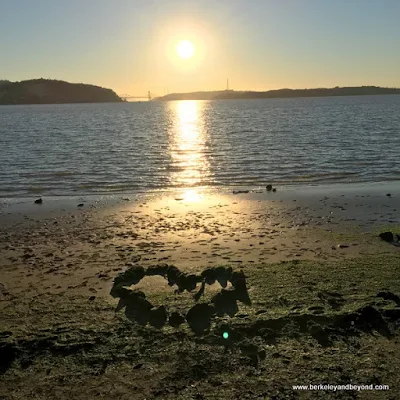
{"points": [[99, 148]]}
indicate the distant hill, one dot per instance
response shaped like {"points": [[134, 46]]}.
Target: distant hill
{"points": [[281, 93], [46, 91]]}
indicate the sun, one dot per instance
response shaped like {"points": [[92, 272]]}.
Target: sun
{"points": [[185, 49]]}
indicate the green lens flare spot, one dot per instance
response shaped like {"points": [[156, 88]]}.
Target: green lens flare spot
{"points": [[225, 335]]}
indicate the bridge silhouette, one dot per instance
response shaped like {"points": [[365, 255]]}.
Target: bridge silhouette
{"points": [[149, 96]]}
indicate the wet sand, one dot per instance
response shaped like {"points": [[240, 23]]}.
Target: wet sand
{"points": [[58, 262], [55, 247]]}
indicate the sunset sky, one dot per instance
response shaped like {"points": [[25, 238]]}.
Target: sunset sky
{"points": [[130, 46]]}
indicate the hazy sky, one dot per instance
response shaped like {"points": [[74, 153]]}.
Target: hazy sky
{"points": [[129, 45]]}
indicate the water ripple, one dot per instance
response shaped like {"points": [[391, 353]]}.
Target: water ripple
{"points": [[86, 148]]}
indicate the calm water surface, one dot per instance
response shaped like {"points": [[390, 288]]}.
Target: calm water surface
{"points": [[102, 148]]}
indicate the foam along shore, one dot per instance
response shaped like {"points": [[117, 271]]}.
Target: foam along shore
{"points": [[324, 291]]}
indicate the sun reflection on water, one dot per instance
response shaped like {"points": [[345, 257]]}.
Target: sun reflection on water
{"points": [[187, 145]]}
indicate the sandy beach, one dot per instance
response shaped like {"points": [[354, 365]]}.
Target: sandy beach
{"points": [[315, 268]]}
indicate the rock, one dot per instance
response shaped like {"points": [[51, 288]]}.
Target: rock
{"points": [[342, 246], [176, 319], [158, 317], [160, 270], [269, 188], [132, 276], [191, 282], [238, 281], [223, 275], [137, 307], [91, 298], [274, 189], [390, 237], [197, 296], [388, 194], [199, 318], [39, 201], [209, 276], [120, 291], [80, 205], [225, 303], [172, 275]]}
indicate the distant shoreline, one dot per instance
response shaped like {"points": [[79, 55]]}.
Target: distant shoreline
{"points": [[46, 91], [281, 93]]}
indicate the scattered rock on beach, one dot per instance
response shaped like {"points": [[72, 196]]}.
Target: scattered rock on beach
{"points": [[191, 282], [199, 318], [172, 275], [225, 303], [80, 205], [158, 317], [160, 270], [132, 276], [274, 190], [239, 283], [390, 237], [209, 276], [176, 319], [39, 201], [386, 236], [269, 188], [138, 308], [388, 195]]}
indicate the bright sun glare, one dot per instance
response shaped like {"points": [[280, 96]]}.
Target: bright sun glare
{"points": [[185, 49]]}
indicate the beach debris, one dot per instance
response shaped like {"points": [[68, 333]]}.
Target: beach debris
{"points": [[240, 191], [39, 201], [80, 205], [342, 246], [269, 188]]}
